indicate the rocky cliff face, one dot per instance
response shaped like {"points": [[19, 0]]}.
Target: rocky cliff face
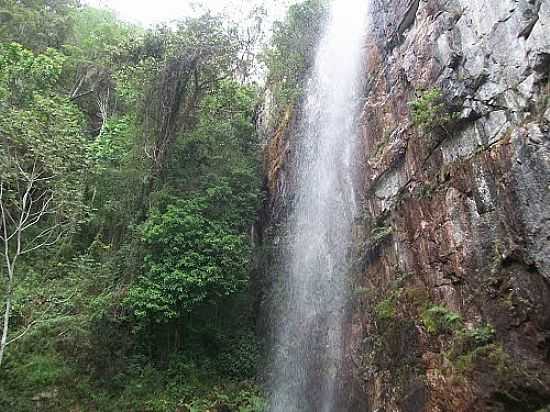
{"points": [[451, 307]]}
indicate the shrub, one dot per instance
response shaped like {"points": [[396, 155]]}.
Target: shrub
{"points": [[429, 111], [190, 260], [495, 356], [240, 358], [386, 309], [481, 335], [438, 319]]}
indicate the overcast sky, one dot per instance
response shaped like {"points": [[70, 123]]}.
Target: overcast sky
{"points": [[148, 12]]}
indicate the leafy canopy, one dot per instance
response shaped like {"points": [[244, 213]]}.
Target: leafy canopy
{"points": [[190, 260], [39, 128]]}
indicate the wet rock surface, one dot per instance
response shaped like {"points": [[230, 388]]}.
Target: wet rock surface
{"points": [[467, 206], [456, 220]]}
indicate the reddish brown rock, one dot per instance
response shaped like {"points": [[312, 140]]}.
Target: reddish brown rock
{"points": [[458, 217]]}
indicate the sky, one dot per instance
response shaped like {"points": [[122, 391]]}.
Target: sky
{"points": [[150, 12]]}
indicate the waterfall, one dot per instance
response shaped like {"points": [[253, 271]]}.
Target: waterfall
{"points": [[307, 371]]}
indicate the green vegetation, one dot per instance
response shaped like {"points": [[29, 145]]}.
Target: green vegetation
{"points": [[493, 353], [379, 234], [463, 346], [291, 55], [429, 111], [481, 335], [386, 310], [130, 178], [190, 260], [466, 345], [438, 319]]}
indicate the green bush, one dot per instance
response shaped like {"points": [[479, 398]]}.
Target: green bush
{"points": [[481, 335], [438, 319], [240, 358], [386, 309], [429, 111], [190, 260]]}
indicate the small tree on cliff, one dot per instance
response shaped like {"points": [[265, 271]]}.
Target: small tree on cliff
{"points": [[430, 111]]}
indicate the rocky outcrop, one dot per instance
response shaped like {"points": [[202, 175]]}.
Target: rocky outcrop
{"points": [[451, 307], [463, 209]]}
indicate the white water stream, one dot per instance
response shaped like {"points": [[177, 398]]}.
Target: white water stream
{"points": [[307, 372]]}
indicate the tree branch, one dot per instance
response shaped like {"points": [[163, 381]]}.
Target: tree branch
{"points": [[41, 318], [47, 242], [28, 328], [83, 94]]}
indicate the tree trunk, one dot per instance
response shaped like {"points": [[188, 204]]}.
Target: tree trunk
{"points": [[5, 326]]}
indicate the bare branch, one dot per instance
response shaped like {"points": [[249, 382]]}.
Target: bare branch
{"points": [[41, 318], [46, 242], [28, 328], [78, 86], [7, 258], [9, 216], [26, 209], [4, 225], [42, 179], [83, 94], [37, 216]]}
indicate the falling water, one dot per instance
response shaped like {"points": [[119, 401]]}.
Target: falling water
{"points": [[308, 371]]}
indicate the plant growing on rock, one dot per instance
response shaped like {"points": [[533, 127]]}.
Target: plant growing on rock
{"points": [[481, 335], [430, 112], [439, 319], [386, 310], [379, 234]]}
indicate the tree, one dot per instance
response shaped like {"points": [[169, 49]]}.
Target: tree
{"points": [[291, 54], [84, 127], [194, 59], [43, 158], [222, 144], [20, 216], [37, 24], [190, 260]]}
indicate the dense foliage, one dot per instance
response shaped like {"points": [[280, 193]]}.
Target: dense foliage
{"points": [[292, 52], [129, 181], [134, 155], [190, 260]]}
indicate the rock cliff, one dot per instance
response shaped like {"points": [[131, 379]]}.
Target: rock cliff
{"points": [[451, 307]]}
